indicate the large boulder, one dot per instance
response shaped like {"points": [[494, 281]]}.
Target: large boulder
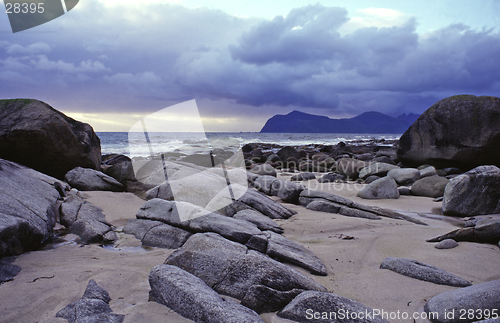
{"points": [[190, 297], [461, 131], [261, 221], [476, 192], [27, 208], [476, 300], [383, 188], [34, 134], [231, 269]]}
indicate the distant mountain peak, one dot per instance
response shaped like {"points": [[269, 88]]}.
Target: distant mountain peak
{"points": [[367, 122]]}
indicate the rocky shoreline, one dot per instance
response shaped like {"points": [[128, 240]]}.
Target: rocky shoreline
{"points": [[275, 235]]}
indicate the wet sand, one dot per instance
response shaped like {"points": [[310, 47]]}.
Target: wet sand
{"points": [[351, 248]]}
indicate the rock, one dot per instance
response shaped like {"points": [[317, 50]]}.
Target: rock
{"points": [[231, 269], [305, 176], [165, 236], [475, 192], [379, 169], [404, 190], [405, 176], [308, 196], [421, 271], [350, 167], [462, 130], [331, 178], [486, 230], [287, 152], [86, 220], [265, 300], [287, 191], [7, 270], [258, 242], [34, 134], [261, 221], [384, 159], [446, 244], [273, 158], [190, 297], [331, 207], [196, 219], [251, 199], [92, 307], [27, 208], [285, 250], [371, 179], [438, 199], [452, 171], [428, 171], [264, 169], [432, 186], [316, 307], [384, 188], [139, 227], [120, 167], [477, 299], [264, 183], [86, 179]]}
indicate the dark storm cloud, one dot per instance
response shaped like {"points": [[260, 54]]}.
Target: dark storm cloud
{"points": [[121, 58]]}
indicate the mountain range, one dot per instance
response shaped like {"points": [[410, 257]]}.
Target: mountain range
{"points": [[368, 122]]}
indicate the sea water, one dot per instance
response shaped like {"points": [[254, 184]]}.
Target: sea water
{"points": [[137, 145]]}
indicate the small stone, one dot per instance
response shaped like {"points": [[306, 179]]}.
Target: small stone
{"points": [[446, 244]]}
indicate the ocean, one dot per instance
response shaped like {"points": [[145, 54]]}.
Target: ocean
{"points": [[136, 145]]}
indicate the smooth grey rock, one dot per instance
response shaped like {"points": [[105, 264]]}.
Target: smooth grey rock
{"points": [[459, 131], [265, 205], [452, 171], [86, 220], [27, 208], [139, 227], [263, 299], [403, 190], [446, 244], [86, 179], [379, 169], [231, 269], [475, 192], [405, 176], [421, 271], [325, 303], [349, 167], [34, 134], [331, 178], [384, 188], [92, 307], [7, 270], [428, 171], [261, 221], [287, 152], [332, 207], [263, 183], [371, 179], [264, 169], [308, 196], [485, 230], [285, 250], [197, 219], [480, 297], [287, 191], [190, 297], [432, 186], [304, 176], [165, 236], [258, 242]]}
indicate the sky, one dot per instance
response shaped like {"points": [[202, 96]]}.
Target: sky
{"points": [[112, 62]]}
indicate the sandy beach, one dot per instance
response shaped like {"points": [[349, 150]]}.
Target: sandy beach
{"points": [[351, 249]]}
